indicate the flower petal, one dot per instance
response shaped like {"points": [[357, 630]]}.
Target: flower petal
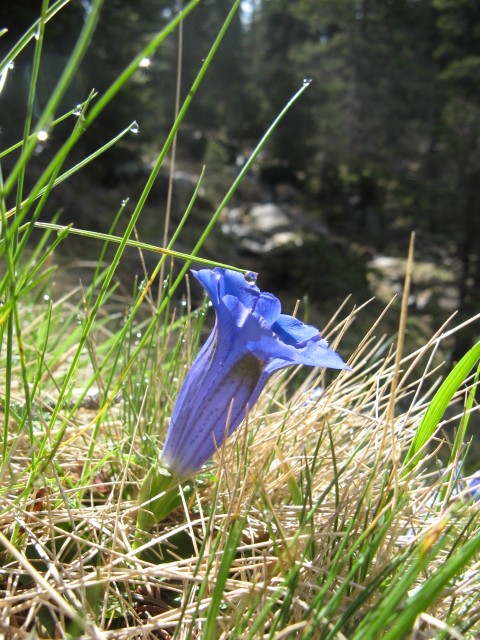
{"points": [[317, 354], [268, 306], [221, 412], [293, 331], [220, 283], [209, 279]]}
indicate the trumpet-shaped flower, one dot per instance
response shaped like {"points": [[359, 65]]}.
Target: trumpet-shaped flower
{"points": [[250, 341]]}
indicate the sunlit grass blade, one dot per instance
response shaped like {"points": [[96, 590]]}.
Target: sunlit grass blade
{"points": [[31, 96], [72, 112], [439, 403], [80, 165], [58, 92], [136, 244], [30, 34]]}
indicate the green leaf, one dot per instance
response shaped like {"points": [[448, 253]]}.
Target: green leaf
{"points": [[440, 402]]}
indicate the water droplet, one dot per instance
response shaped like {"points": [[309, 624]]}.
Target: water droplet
{"points": [[307, 81], [78, 110], [134, 128], [124, 202], [251, 277], [42, 136], [46, 297], [145, 63], [184, 303], [139, 334], [11, 65], [36, 35]]}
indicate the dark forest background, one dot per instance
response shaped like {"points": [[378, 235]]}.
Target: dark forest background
{"points": [[385, 141]]}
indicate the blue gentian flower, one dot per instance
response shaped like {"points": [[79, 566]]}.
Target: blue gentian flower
{"points": [[250, 341], [473, 486]]}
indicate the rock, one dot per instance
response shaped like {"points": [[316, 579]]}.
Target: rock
{"points": [[262, 228], [268, 218]]}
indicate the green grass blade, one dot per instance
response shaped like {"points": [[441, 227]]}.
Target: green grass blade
{"points": [[30, 34], [432, 588], [440, 402], [210, 629], [62, 85]]}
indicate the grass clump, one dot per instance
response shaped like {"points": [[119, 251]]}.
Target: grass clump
{"points": [[328, 516]]}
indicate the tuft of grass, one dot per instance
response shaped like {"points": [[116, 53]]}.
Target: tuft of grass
{"points": [[328, 515]]}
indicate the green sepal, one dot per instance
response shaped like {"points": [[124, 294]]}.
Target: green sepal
{"points": [[159, 495]]}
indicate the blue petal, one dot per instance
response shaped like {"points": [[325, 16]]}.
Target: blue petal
{"points": [[215, 418], [220, 283], [294, 332], [240, 331], [261, 340], [268, 306], [231, 310], [317, 354], [209, 279]]}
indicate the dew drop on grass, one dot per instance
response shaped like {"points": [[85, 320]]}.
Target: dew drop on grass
{"points": [[307, 81], [124, 202], [11, 65], [78, 110], [134, 128], [251, 277]]}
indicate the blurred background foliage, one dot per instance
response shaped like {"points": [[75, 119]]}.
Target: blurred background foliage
{"points": [[385, 141]]}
